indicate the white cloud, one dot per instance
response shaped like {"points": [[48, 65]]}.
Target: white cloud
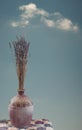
{"points": [[51, 20], [20, 23], [14, 24], [57, 14], [48, 22], [28, 12], [62, 24], [31, 10], [66, 24]]}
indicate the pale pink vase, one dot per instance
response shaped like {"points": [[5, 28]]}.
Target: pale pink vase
{"points": [[20, 111]]}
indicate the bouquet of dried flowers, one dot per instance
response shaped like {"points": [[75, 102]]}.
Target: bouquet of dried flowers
{"points": [[20, 47]]}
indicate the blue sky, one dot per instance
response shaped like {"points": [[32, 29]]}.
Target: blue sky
{"points": [[54, 75]]}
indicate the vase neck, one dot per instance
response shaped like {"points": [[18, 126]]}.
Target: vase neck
{"points": [[20, 92]]}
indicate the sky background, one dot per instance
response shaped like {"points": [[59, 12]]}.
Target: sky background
{"points": [[54, 71]]}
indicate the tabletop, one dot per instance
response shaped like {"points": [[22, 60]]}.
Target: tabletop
{"points": [[36, 124]]}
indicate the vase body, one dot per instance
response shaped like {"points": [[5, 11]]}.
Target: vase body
{"points": [[20, 111]]}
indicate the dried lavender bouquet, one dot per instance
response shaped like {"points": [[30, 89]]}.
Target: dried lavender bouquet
{"points": [[20, 47]]}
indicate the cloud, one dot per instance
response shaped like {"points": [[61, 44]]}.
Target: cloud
{"points": [[51, 20], [48, 22], [66, 24], [31, 10], [62, 24], [20, 23]]}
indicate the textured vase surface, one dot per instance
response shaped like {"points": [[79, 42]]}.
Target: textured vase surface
{"points": [[20, 111]]}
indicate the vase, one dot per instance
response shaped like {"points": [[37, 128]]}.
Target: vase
{"points": [[20, 111]]}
